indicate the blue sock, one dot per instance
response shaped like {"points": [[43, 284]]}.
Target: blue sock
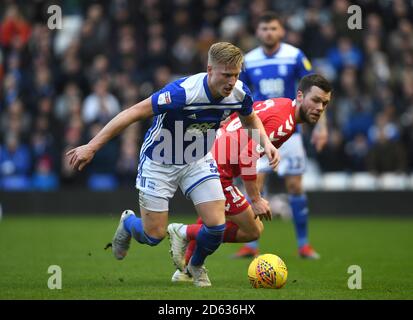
{"points": [[207, 241], [299, 208], [252, 244], [133, 225]]}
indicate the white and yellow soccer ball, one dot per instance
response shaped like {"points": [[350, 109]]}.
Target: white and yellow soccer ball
{"points": [[267, 271]]}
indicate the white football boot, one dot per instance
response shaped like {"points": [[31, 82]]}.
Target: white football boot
{"points": [[178, 245], [200, 275], [121, 239], [180, 276]]}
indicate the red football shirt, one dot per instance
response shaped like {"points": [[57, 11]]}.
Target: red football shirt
{"points": [[236, 153]]}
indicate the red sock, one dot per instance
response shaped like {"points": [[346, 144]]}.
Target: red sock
{"points": [[230, 231], [193, 229], [191, 233], [189, 251]]}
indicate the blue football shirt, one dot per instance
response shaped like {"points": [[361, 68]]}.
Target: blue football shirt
{"points": [[187, 117], [277, 75]]}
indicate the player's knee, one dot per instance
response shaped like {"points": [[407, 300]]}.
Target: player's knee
{"points": [[294, 185], [254, 235], [256, 232], [217, 215]]}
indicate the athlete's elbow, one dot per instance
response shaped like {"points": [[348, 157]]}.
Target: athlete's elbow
{"points": [[141, 110]]}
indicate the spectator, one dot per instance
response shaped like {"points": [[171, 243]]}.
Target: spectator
{"points": [[386, 155], [333, 157], [14, 157], [15, 120], [356, 151], [383, 129], [345, 54], [14, 27], [44, 178], [67, 102], [100, 105]]}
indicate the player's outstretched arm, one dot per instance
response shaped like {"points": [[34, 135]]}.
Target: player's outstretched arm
{"points": [[82, 155], [253, 122]]}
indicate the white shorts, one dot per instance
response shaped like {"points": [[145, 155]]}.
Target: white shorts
{"points": [[162, 180], [293, 158]]}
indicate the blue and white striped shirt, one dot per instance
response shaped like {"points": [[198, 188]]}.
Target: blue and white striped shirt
{"points": [[186, 118]]}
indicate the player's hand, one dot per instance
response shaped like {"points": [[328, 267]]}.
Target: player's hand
{"points": [[80, 156], [273, 155], [319, 138], [261, 209]]}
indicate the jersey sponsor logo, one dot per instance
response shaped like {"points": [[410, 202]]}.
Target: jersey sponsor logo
{"points": [[164, 98], [272, 87], [200, 128]]}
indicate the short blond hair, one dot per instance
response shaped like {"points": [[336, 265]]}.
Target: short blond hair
{"points": [[225, 53]]}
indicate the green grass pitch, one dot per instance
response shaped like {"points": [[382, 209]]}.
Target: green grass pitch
{"points": [[382, 247]]}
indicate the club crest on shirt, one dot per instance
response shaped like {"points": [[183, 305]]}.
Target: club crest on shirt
{"points": [[282, 69], [164, 98], [257, 72]]}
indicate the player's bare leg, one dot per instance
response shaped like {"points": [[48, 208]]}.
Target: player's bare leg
{"points": [[249, 227], [250, 249], [154, 223], [261, 180]]}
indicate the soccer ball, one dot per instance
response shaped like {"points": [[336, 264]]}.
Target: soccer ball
{"points": [[267, 271]]}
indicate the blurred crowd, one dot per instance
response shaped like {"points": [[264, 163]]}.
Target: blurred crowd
{"points": [[59, 87]]}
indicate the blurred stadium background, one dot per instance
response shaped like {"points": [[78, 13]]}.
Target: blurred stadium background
{"points": [[59, 87]]}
